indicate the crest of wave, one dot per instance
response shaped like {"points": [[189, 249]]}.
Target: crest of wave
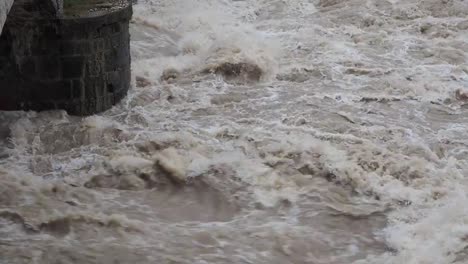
{"points": [[208, 35]]}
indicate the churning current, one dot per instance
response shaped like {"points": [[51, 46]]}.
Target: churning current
{"points": [[256, 131]]}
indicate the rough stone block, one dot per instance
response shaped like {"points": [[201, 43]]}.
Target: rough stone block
{"points": [[91, 86], [99, 44], [111, 59], [93, 67], [39, 105], [73, 30], [9, 98], [83, 47], [116, 40], [77, 88], [28, 66], [59, 90], [48, 67], [73, 67], [68, 47], [115, 28]]}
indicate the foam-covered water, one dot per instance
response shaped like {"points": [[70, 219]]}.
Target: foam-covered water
{"points": [[256, 131]]}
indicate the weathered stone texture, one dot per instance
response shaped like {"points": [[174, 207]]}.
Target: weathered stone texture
{"points": [[81, 65]]}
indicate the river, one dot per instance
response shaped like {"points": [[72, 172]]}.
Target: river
{"points": [[256, 131]]}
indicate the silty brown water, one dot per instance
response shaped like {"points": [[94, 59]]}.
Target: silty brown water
{"points": [[256, 132]]}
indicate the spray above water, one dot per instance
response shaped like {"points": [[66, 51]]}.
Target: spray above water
{"points": [[208, 40]]}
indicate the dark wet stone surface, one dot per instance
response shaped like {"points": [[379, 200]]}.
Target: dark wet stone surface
{"points": [[87, 8]]}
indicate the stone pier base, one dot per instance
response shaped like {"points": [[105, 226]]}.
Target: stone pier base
{"points": [[79, 64]]}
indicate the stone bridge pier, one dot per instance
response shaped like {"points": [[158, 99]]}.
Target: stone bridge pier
{"points": [[72, 55]]}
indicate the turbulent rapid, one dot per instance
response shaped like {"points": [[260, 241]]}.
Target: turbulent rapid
{"points": [[256, 131]]}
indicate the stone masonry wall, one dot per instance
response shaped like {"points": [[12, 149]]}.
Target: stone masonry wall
{"points": [[81, 65], [95, 60]]}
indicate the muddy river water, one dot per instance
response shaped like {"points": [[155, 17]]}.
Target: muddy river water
{"points": [[256, 131]]}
